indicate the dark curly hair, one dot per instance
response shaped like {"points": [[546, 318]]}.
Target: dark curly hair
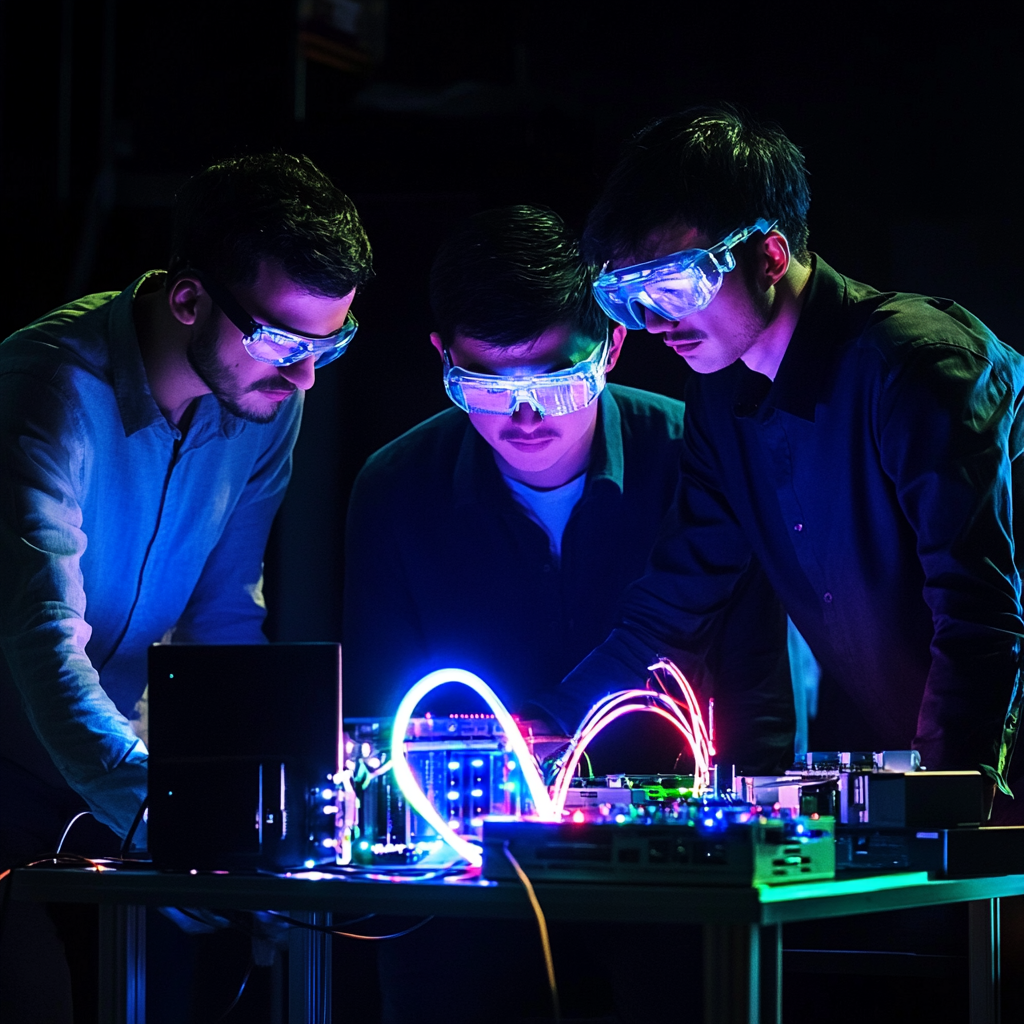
{"points": [[270, 207]]}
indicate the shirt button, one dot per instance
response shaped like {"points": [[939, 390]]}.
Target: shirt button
{"points": [[828, 598], [798, 527]]}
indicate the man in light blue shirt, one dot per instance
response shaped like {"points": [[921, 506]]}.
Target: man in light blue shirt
{"points": [[146, 441]]}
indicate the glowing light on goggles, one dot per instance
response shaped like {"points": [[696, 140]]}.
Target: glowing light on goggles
{"points": [[274, 344], [672, 286], [550, 394]]}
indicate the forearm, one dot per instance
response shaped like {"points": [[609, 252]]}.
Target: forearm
{"points": [[90, 742]]}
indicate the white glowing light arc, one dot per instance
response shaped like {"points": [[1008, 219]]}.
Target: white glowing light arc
{"points": [[411, 788]]}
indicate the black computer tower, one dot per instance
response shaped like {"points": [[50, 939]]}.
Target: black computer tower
{"points": [[244, 741]]}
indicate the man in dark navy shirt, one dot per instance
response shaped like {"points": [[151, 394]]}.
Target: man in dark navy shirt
{"points": [[498, 536], [500, 541], [862, 446]]}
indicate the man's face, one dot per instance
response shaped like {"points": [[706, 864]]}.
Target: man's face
{"points": [[534, 447], [725, 330], [250, 389]]}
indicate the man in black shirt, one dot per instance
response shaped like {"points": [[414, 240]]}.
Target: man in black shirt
{"points": [[501, 541], [862, 446], [498, 537]]}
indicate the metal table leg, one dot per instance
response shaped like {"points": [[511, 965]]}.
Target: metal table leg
{"points": [[122, 968], [771, 974], [309, 971], [732, 974], [984, 961]]}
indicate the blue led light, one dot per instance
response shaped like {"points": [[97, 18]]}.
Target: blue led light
{"points": [[453, 794], [476, 792], [477, 762], [453, 766], [310, 863], [511, 766]]}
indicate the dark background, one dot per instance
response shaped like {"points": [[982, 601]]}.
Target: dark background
{"points": [[910, 129], [910, 125]]}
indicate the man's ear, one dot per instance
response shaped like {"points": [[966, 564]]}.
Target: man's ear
{"points": [[618, 336], [435, 340], [185, 298], [774, 258]]}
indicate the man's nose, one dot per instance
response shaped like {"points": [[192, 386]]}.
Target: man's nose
{"points": [[526, 416], [301, 374], [655, 323]]}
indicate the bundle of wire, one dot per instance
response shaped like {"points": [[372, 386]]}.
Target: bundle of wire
{"points": [[682, 711]]}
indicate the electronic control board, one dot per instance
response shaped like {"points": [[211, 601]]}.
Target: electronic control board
{"points": [[696, 844]]}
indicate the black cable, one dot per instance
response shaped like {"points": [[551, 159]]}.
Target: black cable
{"points": [[241, 989], [236, 924], [126, 845], [332, 929]]}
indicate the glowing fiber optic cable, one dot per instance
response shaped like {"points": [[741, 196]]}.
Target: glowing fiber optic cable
{"points": [[683, 713], [411, 788]]}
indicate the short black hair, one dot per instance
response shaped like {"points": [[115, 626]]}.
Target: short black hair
{"points": [[270, 207], [507, 275], [715, 169]]}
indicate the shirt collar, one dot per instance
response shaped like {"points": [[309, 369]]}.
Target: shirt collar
{"points": [[812, 350], [131, 386], [478, 479]]}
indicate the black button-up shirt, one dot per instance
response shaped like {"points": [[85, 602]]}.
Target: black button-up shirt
{"points": [[873, 482]]}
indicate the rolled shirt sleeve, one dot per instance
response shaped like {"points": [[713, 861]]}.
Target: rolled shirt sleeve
{"points": [[43, 628]]}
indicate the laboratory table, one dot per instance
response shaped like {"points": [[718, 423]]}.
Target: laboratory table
{"points": [[742, 926]]}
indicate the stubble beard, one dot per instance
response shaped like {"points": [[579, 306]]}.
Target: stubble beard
{"points": [[204, 360]]}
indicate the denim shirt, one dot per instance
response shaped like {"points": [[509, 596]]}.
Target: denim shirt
{"points": [[114, 531]]}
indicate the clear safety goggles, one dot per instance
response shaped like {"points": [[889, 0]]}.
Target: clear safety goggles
{"points": [[672, 286], [274, 344], [550, 394]]}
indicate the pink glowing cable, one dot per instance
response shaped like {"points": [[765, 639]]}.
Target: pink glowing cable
{"points": [[684, 714]]}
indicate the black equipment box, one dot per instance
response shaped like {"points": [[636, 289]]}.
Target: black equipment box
{"points": [[919, 799], [244, 747], [944, 853]]}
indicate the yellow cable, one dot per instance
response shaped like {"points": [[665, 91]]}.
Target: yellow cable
{"points": [[542, 927]]}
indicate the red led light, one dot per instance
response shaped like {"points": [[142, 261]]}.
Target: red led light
{"points": [[577, 817]]}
